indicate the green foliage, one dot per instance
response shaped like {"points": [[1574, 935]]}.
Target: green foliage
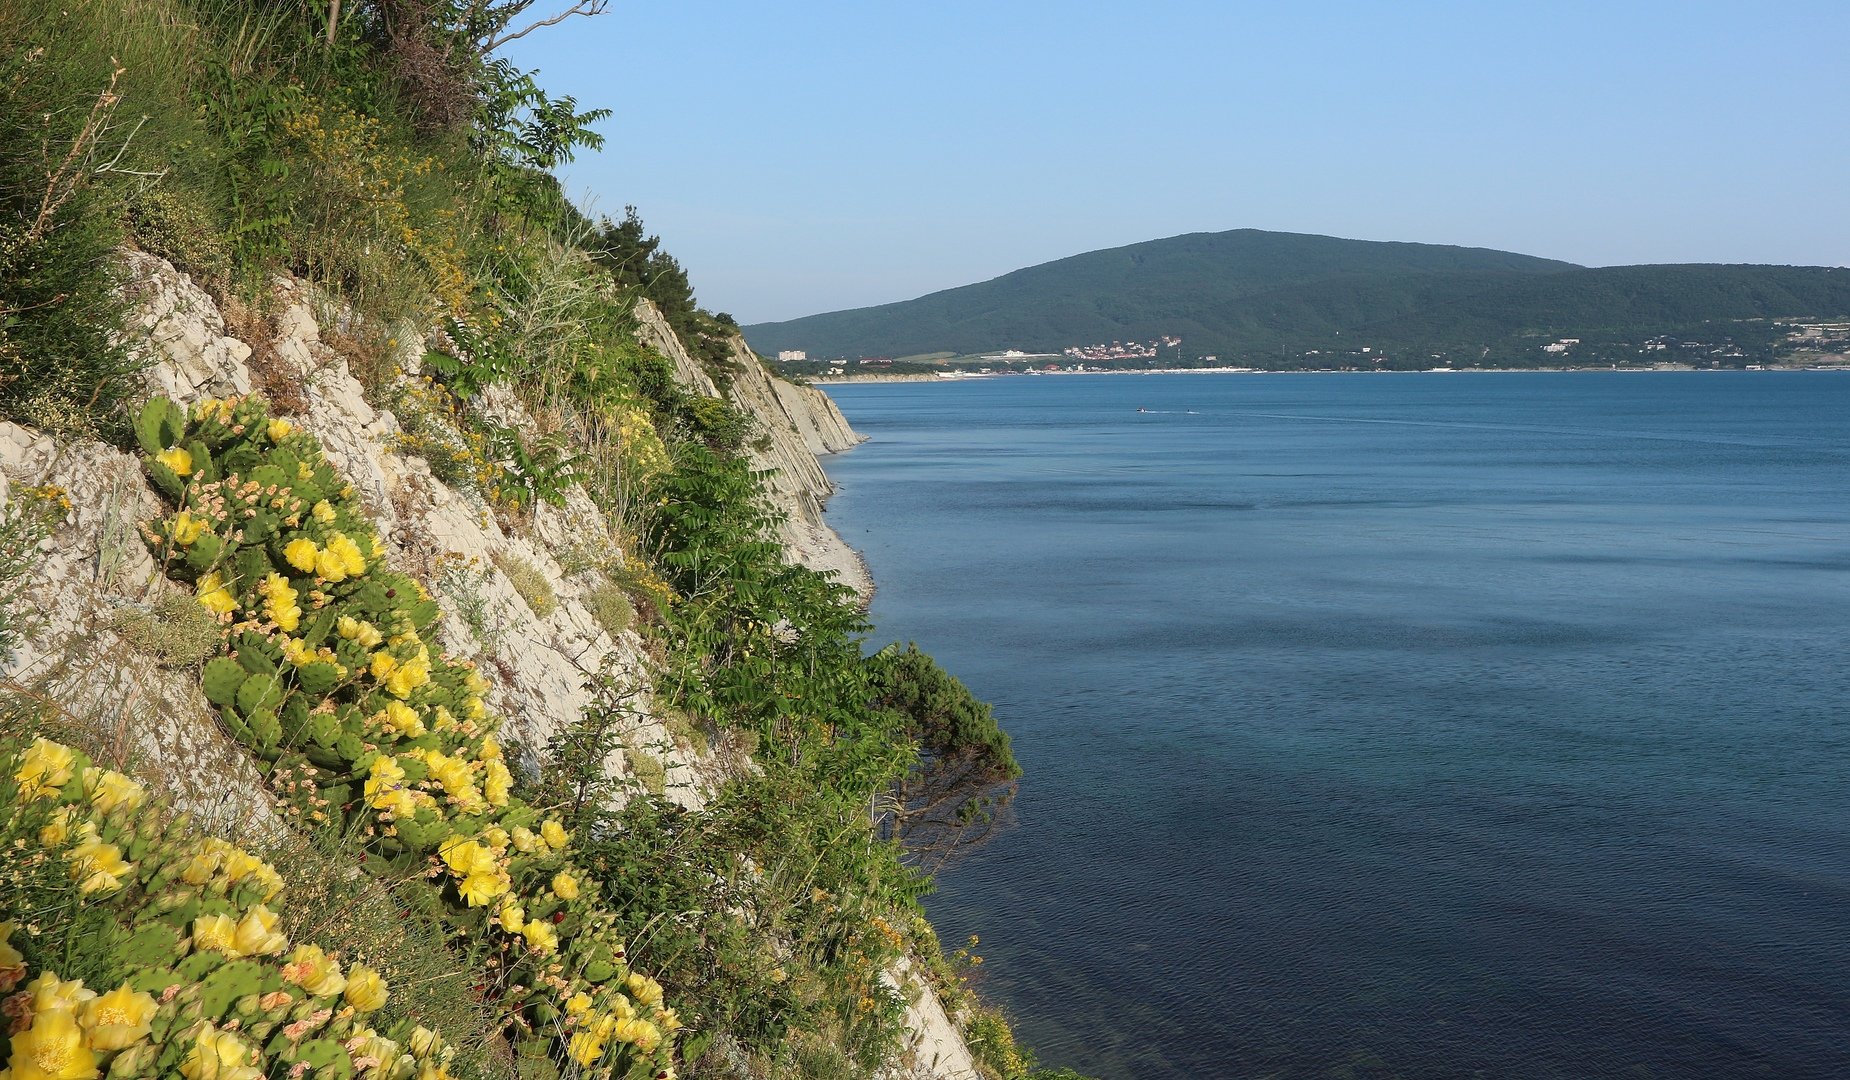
{"points": [[611, 607], [27, 517], [175, 631], [529, 582]]}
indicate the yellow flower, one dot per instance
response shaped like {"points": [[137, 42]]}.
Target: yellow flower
{"points": [[240, 864], [358, 630], [98, 867], [540, 937], [278, 430], [329, 566], [644, 1035], [257, 934], [497, 782], [43, 768], [425, 1043], [586, 1048], [314, 971], [402, 718], [465, 857], [513, 919], [480, 889], [52, 1049], [187, 528], [383, 664], [578, 1003], [301, 554], [353, 564], [176, 458], [50, 992], [216, 932], [366, 991], [109, 790], [669, 1020], [644, 989], [12, 962], [56, 831], [524, 840], [220, 1055], [491, 750], [214, 596], [119, 1019], [564, 886], [496, 837], [554, 834]]}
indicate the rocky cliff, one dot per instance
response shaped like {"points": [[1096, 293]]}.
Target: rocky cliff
{"points": [[518, 595]]}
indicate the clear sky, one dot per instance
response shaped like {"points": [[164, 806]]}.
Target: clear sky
{"points": [[815, 155]]}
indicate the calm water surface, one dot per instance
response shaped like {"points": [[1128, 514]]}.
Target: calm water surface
{"points": [[1392, 726]]}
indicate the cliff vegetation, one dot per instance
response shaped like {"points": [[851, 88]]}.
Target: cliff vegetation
{"points": [[407, 665]]}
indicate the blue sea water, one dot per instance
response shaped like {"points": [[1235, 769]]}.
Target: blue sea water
{"points": [[1422, 726]]}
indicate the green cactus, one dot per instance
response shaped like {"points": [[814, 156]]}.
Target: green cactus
{"points": [[323, 729], [259, 527], [152, 945], [349, 746], [415, 770], [166, 481], [266, 732], [269, 474], [317, 679], [351, 654], [220, 992], [222, 678], [294, 718], [160, 425], [203, 468], [241, 461], [424, 613], [205, 552], [258, 654], [370, 597], [421, 836], [250, 566], [261, 693], [200, 964], [326, 1059], [315, 634]]}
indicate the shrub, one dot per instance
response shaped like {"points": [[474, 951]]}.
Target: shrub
{"points": [[176, 632], [529, 582], [611, 607]]}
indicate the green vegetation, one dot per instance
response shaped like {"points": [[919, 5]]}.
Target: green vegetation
{"points": [[1282, 300], [379, 150]]}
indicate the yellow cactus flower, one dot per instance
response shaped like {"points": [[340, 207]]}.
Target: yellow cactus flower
{"points": [[187, 529], [216, 932], [314, 971], [329, 566], [564, 886], [482, 889], [278, 430], [220, 1055], [524, 840], [425, 1042], [540, 937], [383, 664], [578, 1003], [465, 857], [669, 1020], [497, 783], [50, 992], [476, 684], [366, 991], [177, 458], [44, 768], [586, 1048], [119, 1019], [302, 553], [639, 1033], [554, 834], [359, 630], [401, 718], [240, 864], [58, 829], [52, 1049], [513, 919], [496, 838], [213, 595], [491, 750], [644, 989], [98, 867], [109, 790], [352, 562], [323, 512], [257, 934]]}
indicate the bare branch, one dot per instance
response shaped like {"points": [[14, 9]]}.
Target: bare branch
{"points": [[586, 8]]}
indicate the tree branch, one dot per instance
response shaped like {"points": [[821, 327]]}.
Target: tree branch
{"points": [[586, 8]]}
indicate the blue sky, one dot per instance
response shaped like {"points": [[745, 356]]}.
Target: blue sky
{"points": [[810, 156]]}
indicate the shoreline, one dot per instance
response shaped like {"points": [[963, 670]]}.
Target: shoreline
{"points": [[932, 377]]}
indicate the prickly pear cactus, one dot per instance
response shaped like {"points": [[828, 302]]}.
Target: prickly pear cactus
{"points": [[222, 678]]}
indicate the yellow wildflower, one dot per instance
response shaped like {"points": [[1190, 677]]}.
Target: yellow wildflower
{"points": [[644, 1035], [554, 834], [644, 989], [358, 630], [401, 718], [586, 1048], [301, 553], [50, 992], [323, 512], [52, 1049], [278, 430], [578, 1003], [497, 782], [481, 888], [98, 867], [57, 830], [108, 790], [540, 937], [119, 1019], [216, 932], [513, 919], [43, 768], [329, 566], [220, 1055], [564, 886], [365, 991], [465, 857], [177, 458], [187, 528], [213, 595], [12, 961], [257, 934], [314, 971], [342, 547]]}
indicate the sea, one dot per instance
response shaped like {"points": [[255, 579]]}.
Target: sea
{"points": [[1427, 726]]}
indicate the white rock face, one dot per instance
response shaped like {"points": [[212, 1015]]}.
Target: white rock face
{"points": [[96, 564]]}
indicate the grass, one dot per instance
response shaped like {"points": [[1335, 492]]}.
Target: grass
{"points": [[611, 607], [529, 582], [175, 632]]}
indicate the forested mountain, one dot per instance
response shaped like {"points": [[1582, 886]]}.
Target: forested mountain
{"points": [[1249, 294]]}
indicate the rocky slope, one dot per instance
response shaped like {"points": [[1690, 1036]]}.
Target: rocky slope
{"points": [[98, 591]]}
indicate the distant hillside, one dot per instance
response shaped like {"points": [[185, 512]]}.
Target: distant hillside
{"points": [[1248, 293]]}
